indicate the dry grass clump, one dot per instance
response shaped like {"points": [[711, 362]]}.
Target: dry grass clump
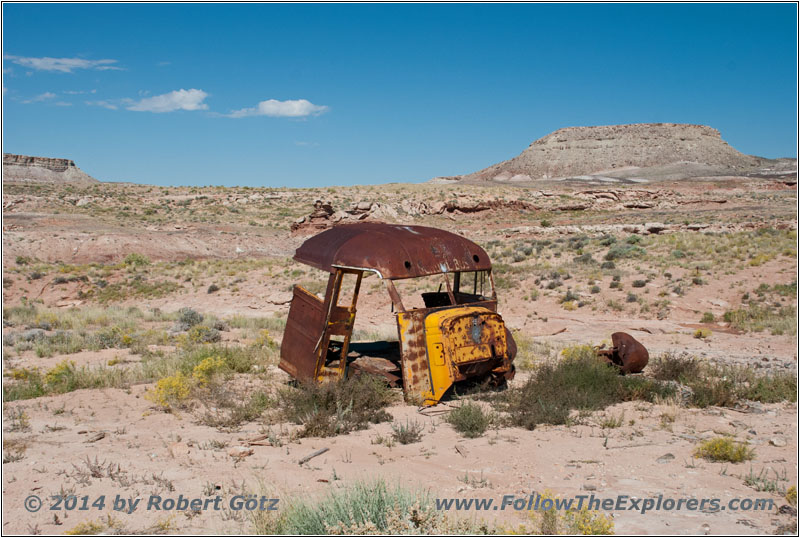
{"points": [[336, 407]]}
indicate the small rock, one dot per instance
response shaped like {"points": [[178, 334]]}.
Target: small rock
{"points": [[655, 227], [240, 452], [788, 510], [777, 441], [96, 437], [589, 487], [666, 458]]}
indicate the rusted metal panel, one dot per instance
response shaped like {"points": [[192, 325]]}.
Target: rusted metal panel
{"points": [[417, 383], [394, 251], [303, 329]]}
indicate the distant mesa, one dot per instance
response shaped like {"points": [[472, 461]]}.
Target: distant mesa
{"points": [[636, 152], [27, 169]]}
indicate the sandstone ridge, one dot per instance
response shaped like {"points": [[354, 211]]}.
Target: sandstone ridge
{"points": [[27, 169], [647, 151]]}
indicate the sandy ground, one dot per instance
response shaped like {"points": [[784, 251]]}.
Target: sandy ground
{"points": [[146, 452]]}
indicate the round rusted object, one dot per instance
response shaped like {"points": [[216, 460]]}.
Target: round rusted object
{"points": [[628, 353]]}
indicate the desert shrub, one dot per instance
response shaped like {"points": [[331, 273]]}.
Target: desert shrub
{"points": [[171, 391], [207, 368], [757, 318], [624, 251], [572, 521], [608, 265], [368, 508], [336, 407], [702, 333], [405, 434], [584, 258], [200, 334], [189, 316], [631, 298], [213, 288], [577, 352], [671, 367], [580, 382], [136, 260], [469, 419], [275, 324], [227, 409], [791, 495], [639, 283], [724, 449], [708, 317], [724, 385], [634, 239], [595, 289]]}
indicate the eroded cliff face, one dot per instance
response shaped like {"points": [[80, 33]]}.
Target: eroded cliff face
{"points": [[611, 149], [28, 169]]}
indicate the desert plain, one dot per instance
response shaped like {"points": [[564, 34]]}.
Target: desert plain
{"points": [[142, 328]]}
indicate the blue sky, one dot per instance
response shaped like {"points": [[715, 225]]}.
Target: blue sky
{"points": [[313, 95]]}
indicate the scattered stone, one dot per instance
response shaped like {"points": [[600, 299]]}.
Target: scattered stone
{"points": [[666, 458], [96, 437], [239, 452], [778, 441]]}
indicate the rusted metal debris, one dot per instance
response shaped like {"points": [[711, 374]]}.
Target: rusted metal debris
{"points": [[627, 353], [457, 336]]}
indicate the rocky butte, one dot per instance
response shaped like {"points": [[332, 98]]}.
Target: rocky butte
{"points": [[27, 169], [646, 151]]}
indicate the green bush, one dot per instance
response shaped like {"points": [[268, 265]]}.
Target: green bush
{"points": [[136, 260], [581, 382], [469, 420], [336, 407], [708, 317], [624, 251]]}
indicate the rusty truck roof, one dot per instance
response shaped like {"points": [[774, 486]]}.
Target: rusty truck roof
{"points": [[393, 250]]}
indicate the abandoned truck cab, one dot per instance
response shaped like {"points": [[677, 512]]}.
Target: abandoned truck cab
{"points": [[456, 335]]}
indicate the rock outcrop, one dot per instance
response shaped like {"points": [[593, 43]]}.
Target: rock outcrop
{"points": [[27, 169], [624, 151]]}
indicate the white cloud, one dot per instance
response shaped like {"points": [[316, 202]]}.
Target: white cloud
{"points": [[296, 108], [39, 98], [169, 102], [62, 65], [105, 104]]}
